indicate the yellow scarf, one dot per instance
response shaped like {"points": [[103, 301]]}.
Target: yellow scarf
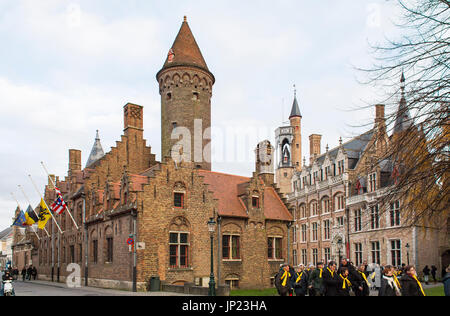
{"points": [[332, 274], [364, 277], [299, 277], [397, 282], [320, 274], [346, 282], [420, 285], [284, 277]]}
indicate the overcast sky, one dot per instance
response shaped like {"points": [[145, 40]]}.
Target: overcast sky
{"points": [[67, 68]]}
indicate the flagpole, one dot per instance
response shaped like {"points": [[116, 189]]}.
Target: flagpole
{"points": [[67, 207], [26, 197], [21, 209], [37, 190]]}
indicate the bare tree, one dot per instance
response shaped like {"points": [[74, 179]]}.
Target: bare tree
{"points": [[419, 145]]}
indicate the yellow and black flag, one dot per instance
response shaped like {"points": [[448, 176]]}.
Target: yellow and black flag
{"points": [[44, 215], [30, 216]]}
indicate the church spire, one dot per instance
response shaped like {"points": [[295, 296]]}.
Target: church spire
{"points": [[403, 119], [96, 152], [295, 108]]}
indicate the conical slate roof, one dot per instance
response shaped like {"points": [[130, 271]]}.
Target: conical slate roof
{"points": [[185, 51], [403, 120], [96, 152], [295, 109]]}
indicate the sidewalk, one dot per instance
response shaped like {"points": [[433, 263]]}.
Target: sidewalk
{"points": [[100, 291]]}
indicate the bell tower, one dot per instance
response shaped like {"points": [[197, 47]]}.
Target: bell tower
{"points": [[289, 149], [185, 86]]}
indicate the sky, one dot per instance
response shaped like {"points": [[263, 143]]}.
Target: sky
{"points": [[67, 68]]}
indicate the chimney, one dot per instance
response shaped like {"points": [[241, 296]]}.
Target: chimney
{"points": [[133, 117], [264, 162], [314, 146], [74, 160], [379, 114]]}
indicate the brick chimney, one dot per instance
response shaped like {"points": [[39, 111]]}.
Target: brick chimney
{"points": [[74, 160], [314, 146]]}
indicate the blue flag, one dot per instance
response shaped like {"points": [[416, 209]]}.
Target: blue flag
{"points": [[20, 220]]}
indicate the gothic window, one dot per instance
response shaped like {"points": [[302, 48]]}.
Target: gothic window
{"points": [[326, 229], [396, 253], [255, 201], [358, 220], [179, 250], [274, 248], [109, 249], [374, 217], [394, 214], [231, 247], [358, 254], [372, 182]]}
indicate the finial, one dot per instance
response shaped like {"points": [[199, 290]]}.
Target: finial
{"points": [[340, 141], [304, 161], [97, 136], [185, 19], [295, 91], [327, 148]]}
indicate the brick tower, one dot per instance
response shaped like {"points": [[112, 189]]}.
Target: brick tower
{"points": [[185, 86], [289, 147]]}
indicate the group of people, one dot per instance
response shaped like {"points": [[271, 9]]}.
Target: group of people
{"points": [[331, 280], [28, 273]]}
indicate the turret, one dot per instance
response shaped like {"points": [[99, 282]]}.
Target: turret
{"points": [[185, 86]]}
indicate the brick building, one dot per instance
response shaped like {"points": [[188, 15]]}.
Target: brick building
{"points": [[165, 206], [340, 210]]}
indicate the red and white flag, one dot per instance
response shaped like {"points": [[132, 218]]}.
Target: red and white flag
{"points": [[59, 205]]}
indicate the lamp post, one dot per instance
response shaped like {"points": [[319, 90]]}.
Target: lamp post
{"points": [[407, 252], [339, 244], [212, 284]]}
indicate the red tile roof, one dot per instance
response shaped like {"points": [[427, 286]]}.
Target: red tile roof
{"points": [[274, 208], [225, 190]]}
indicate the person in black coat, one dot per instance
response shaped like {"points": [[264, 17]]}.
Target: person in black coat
{"points": [[426, 274], [283, 280], [24, 273], [389, 284], [433, 273], [411, 285], [344, 286], [300, 282], [360, 282], [330, 280]]}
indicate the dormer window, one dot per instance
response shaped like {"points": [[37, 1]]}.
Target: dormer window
{"points": [[373, 182], [255, 201]]}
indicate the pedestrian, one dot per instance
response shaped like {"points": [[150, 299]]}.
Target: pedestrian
{"points": [[433, 273], [345, 285], [426, 274], [283, 280], [300, 282], [411, 285], [446, 281], [377, 277], [330, 280], [34, 273], [361, 285], [29, 272], [390, 285], [315, 281], [24, 274]]}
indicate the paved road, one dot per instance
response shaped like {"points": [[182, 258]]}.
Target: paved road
{"points": [[42, 288]]}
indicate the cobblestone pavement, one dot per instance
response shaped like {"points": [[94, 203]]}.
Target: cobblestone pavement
{"points": [[43, 288]]}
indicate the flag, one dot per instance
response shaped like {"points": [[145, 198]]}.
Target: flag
{"points": [[20, 220], [30, 216], [59, 205], [44, 215]]}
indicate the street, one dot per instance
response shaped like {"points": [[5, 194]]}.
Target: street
{"points": [[43, 288]]}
